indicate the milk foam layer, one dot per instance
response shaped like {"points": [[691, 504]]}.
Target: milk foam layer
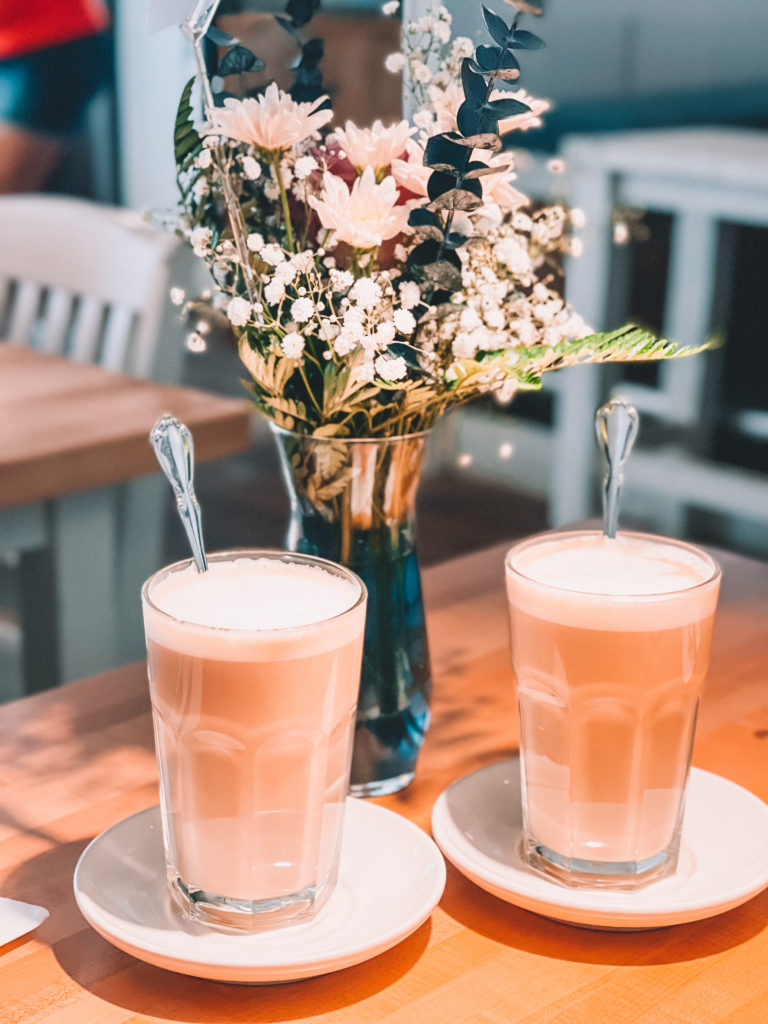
{"points": [[254, 594], [245, 608], [621, 566], [630, 582]]}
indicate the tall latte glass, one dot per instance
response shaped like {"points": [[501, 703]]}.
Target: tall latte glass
{"points": [[610, 643], [254, 669]]}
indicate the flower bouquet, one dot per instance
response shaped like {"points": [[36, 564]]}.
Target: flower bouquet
{"points": [[377, 277]]}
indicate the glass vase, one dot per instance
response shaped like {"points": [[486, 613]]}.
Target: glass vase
{"points": [[353, 501]]}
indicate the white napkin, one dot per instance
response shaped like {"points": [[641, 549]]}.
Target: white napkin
{"points": [[17, 918]]}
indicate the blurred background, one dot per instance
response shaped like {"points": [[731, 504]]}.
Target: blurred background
{"points": [[660, 118]]}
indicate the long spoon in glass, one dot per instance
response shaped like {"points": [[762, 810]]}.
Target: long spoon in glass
{"points": [[175, 452], [616, 424]]}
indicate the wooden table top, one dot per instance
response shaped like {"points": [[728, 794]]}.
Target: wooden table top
{"points": [[69, 426], [76, 760]]}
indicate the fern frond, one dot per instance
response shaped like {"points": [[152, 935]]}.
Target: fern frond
{"points": [[626, 344]]}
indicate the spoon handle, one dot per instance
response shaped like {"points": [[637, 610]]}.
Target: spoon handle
{"points": [[174, 449], [616, 424]]}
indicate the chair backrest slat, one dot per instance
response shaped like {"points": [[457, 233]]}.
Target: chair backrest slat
{"points": [[87, 329], [25, 307], [55, 321], [6, 287], [117, 337]]}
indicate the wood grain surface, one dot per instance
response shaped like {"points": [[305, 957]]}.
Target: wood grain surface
{"points": [[69, 426], [75, 760]]}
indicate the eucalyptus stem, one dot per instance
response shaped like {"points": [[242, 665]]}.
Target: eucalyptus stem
{"points": [[460, 177]]}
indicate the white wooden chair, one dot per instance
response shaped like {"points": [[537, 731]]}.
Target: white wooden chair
{"points": [[86, 281], [704, 177], [91, 283]]}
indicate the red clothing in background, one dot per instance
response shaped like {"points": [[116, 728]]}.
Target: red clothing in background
{"points": [[28, 25]]}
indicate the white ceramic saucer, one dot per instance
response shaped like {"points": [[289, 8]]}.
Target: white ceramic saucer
{"points": [[723, 861], [391, 877]]}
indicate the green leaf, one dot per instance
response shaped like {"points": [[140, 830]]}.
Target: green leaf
{"points": [[526, 40], [311, 54], [185, 138], [406, 352], [486, 57], [497, 59], [308, 79], [474, 120], [441, 150], [301, 11], [510, 38], [496, 26], [421, 217], [239, 59], [440, 184], [426, 223], [184, 133], [473, 84], [508, 107], [423, 254]]}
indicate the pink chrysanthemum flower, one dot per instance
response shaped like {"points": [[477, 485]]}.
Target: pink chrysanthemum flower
{"points": [[445, 103], [498, 188], [411, 174], [272, 121], [364, 217], [521, 122], [374, 147]]}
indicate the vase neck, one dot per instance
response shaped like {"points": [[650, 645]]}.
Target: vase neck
{"points": [[353, 488]]}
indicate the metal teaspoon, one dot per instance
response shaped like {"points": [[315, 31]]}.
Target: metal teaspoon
{"points": [[174, 449], [616, 424]]}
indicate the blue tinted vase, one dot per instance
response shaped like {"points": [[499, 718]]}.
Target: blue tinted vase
{"points": [[353, 501]]}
